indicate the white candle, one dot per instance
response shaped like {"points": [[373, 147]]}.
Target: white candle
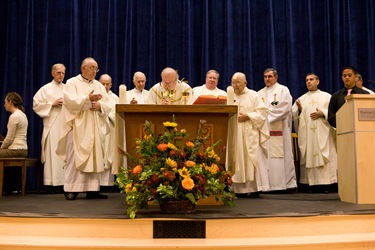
{"points": [[230, 95], [122, 91]]}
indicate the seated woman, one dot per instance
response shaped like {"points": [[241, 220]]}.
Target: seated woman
{"points": [[15, 142]]}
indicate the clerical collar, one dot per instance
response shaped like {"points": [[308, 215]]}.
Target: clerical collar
{"points": [[273, 86], [244, 91], [85, 79]]}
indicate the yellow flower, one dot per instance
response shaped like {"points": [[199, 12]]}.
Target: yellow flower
{"points": [[184, 172], [210, 153], [188, 183], [134, 189], [172, 146], [170, 125], [190, 163], [171, 163], [189, 144], [147, 137], [213, 169], [183, 131], [128, 188], [216, 157]]}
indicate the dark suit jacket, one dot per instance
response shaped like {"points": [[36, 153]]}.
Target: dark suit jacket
{"points": [[337, 100]]}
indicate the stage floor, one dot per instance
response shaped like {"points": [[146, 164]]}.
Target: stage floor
{"points": [[41, 205]]}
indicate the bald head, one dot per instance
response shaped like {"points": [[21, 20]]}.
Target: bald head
{"points": [[106, 80], [89, 68], [238, 82], [169, 78]]}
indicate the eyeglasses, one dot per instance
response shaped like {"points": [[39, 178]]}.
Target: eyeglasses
{"points": [[169, 83], [93, 68], [236, 83]]}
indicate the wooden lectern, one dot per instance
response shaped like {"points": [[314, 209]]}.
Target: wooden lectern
{"points": [[130, 121], [355, 123]]}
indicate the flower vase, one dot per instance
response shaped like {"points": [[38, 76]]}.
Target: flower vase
{"points": [[177, 206]]}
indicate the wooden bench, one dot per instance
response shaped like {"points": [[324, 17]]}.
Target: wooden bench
{"points": [[19, 162]]}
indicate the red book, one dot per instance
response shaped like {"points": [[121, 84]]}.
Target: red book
{"points": [[211, 99]]}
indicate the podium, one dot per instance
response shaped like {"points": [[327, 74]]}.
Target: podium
{"points": [[355, 124], [130, 121]]}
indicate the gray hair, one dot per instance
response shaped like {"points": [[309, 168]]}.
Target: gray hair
{"points": [[55, 66], [274, 71]]}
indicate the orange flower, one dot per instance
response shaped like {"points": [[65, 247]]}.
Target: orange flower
{"points": [[137, 169], [189, 144], [190, 164], [162, 147], [188, 183]]}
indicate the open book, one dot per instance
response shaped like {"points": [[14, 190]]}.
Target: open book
{"points": [[211, 99]]}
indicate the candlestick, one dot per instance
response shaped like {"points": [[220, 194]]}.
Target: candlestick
{"points": [[230, 95], [122, 91]]}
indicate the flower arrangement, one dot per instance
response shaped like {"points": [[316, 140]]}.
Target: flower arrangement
{"points": [[172, 167]]}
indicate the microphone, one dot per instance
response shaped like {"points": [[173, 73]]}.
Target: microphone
{"points": [[371, 81]]}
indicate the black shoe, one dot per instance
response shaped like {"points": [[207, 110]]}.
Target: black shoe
{"points": [[70, 196], [254, 195], [241, 196], [95, 195], [291, 191]]}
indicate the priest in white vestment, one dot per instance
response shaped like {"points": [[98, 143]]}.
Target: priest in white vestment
{"points": [[251, 134], [82, 137], [170, 90], [318, 157], [282, 174], [359, 83], [137, 95], [106, 177], [47, 103], [210, 86]]}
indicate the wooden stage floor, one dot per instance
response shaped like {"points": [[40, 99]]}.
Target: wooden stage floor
{"points": [[268, 205], [309, 221]]}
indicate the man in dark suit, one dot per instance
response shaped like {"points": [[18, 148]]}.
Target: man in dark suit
{"points": [[338, 98]]}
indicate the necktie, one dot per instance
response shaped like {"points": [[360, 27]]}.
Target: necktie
{"points": [[349, 91]]}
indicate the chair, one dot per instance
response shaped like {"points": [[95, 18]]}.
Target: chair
{"points": [[19, 162]]}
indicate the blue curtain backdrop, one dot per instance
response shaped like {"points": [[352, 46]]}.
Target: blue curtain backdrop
{"points": [[294, 36]]}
